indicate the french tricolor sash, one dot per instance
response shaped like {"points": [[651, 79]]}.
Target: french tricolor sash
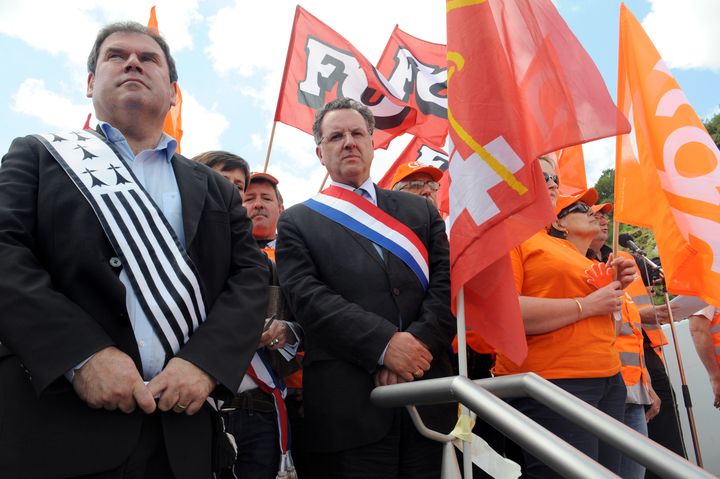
{"points": [[364, 218], [268, 382], [160, 271]]}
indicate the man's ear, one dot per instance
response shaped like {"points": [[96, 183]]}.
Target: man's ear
{"points": [[556, 224], [173, 100], [318, 152], [90, 85]]}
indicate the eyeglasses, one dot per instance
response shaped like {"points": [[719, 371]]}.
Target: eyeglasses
{"points": [[555, 178], [577, 207], [338, 136], [420, 184]]}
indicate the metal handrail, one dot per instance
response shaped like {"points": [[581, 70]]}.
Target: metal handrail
{"points": [[480, 396]]}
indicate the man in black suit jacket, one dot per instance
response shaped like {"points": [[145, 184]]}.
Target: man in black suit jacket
{"points": [[76, 398], [367, 319]]}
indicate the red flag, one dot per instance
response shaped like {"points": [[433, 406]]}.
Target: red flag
{"points": [[321, 66], [571, 170], [519, 85], [420, 152], [173, 120], [417, 70], [668, 170]]}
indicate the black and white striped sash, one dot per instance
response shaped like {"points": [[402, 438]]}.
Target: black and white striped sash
{"points": [[160, 270]]}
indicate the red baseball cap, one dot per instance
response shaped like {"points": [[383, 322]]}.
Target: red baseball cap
{"points": [[589, 197], [263, 176], [407, 169]]}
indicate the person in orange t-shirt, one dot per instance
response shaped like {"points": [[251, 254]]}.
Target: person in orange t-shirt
{"points": [[569, 325]]}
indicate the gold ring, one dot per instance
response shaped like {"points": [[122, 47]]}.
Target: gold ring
{"points": [[180, 406], [418, 373]]}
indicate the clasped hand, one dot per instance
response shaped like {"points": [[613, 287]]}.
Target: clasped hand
{"points": [[406, 359], [111, 381]]}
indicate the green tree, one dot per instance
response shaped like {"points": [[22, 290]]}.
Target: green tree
{"points": [[713, 127], [605, 186]]}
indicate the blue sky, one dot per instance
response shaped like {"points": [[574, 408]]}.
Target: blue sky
{"points": [[230, 56]]}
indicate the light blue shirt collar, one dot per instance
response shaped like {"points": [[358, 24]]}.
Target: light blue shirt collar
{"points": [[368, 186], [114, 136]]}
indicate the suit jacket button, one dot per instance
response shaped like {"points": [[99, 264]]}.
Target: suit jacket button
{"points": [[396, 291], [115, 262]]}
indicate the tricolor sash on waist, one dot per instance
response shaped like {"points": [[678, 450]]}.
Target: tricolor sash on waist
{"points": [[160, 271], [364, 218]]}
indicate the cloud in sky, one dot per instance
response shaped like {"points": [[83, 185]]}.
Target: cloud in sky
{"points": [[69, 28], [202, 127], [697, 45], [34, 99]]}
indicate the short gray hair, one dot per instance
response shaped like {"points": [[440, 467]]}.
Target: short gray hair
{"points": [[342, 104], [130, 27]]}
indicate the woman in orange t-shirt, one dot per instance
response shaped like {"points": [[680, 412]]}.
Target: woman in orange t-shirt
{"points": [[568, 322]]}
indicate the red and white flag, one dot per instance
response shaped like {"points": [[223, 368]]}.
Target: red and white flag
{"points": [[417, 70], [420, 152], [519, 85], [321, 66]]}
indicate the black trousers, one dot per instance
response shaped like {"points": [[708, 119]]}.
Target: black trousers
{"points": [[147, 461], [403, 453], [665, 427]]}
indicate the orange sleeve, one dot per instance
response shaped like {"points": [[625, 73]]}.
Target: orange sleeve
{"points": [[516, 261]]}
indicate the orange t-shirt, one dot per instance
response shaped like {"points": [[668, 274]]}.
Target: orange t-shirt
{"points": [[548, 267]]}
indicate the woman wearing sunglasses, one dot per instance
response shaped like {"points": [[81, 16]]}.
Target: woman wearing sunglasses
{"points": [[568, 323]]}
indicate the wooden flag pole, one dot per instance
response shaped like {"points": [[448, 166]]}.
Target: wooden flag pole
{"points": [[462, 369], [322, 185], [267, 157]]}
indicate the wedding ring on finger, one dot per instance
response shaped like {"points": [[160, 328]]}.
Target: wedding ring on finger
{"points": [[418, 374], [180, 407], [274, 341]]}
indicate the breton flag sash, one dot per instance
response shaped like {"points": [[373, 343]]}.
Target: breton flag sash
{"points": [[364, 218], [268, 382], [160, 270]]}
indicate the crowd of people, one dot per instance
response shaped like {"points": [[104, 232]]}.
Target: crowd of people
{"points": [[153, 304]]}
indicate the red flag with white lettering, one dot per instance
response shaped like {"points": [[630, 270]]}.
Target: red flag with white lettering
{"points": [[420, 152], [417, 70], [321, 66], [519, 85]]}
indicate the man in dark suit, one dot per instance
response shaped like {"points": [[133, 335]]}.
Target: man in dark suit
{"points": [[87, 387], [368, 318]]}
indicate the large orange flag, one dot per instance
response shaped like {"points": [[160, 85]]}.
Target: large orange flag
{"points": [[668, 170], [320, 66], [519, 85], [173, 120]]}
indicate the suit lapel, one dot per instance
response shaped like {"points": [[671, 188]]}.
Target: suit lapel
{"points": [[192, 183]]}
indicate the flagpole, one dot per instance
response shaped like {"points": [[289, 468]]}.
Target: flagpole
{"points": [[462, 369], [685, 389], [267, 157], [322, 185]]}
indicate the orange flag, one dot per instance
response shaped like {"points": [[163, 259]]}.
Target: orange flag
{"points": [[519, 85], [173, 120], [571, 170], [667, 173]]}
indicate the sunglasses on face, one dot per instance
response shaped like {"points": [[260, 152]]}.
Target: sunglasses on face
{"points": [[555, 178], [578, 207]]}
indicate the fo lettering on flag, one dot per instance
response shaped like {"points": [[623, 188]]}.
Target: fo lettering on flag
{"points": [[510, 100], [667, 174]]}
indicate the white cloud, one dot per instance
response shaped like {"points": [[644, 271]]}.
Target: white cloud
{"points": [[599, 156], [57, 111], [685, 33], [69, 28], [257, 46], [202, 127]]}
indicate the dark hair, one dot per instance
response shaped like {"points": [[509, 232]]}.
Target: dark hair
{"points": [[130, 27], [260, 179], [224, 161], [342, 104]]}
